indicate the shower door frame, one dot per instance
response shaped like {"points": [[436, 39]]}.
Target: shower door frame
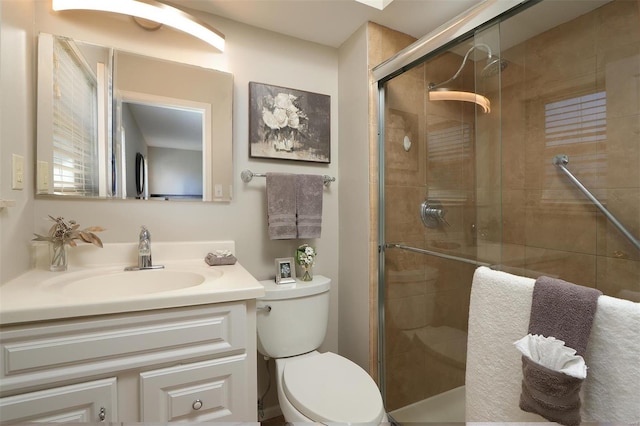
{"points": [[462, 27]]}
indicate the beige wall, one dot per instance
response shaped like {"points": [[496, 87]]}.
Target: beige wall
{"points": [[251, 55], [354, 202], [17, 133]]}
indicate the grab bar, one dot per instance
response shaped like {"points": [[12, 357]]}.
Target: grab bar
{"points": [[437, 254], [561, 161]]}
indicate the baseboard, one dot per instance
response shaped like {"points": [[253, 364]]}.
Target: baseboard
{"points": [[270, 413]]}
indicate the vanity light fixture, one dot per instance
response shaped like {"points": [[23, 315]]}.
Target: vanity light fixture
{"points": [[150, 10]]}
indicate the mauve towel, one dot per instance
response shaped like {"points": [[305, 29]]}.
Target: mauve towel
{"points": [[552, 394], [309, 205], [565, 311], [281, 206]]}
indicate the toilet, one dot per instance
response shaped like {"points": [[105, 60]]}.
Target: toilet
{"points": [[312, 386]]}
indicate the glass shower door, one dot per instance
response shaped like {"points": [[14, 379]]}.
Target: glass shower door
{"points": [[468, 178], [441, 216]]}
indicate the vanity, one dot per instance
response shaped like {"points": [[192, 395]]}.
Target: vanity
{"points": [[89, 345]]}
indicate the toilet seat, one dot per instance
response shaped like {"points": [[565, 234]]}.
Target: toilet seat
{"points": [[329, 388]]}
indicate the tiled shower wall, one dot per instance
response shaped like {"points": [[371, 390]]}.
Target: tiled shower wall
{"points": [[548, 226], [382, 44], [505, 200]]}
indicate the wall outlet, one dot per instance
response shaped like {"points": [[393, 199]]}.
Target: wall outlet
{"points": [[17, 174]]}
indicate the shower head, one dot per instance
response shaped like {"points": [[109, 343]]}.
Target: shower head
{"points": [[494, 67]]}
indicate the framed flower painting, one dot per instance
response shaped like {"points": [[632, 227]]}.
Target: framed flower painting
{"points": [[289, 124]]}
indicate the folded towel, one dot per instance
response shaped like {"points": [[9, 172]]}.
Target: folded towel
{"points": [[563, 310], [281, 206], [499, 315], [552, 394], [220, 257], [309, 205]]}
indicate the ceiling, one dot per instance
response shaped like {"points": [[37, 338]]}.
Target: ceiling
{"points": [[167, 127], [331, 22]]}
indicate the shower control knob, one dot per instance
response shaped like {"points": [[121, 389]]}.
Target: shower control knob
{"points": [[432, 214]]}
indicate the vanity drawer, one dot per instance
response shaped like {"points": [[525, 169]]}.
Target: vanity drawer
{"points": [[200, 392], [75, 348]]}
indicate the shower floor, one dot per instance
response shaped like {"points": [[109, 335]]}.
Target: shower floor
{"points": [[446, 407]]}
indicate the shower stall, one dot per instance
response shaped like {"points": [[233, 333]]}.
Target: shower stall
{"points": [[492, 130]]}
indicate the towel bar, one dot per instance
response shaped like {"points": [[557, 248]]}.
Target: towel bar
{"points": [[441, 255], [247, 175]]}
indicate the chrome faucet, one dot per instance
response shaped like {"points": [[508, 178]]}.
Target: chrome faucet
{"points": [[144, 252], [144, 248]]}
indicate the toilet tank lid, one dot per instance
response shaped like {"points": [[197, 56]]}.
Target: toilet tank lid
{"points": [[274, 291]]}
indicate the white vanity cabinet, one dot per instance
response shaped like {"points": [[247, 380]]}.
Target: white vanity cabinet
{"points": [[194, 363]]}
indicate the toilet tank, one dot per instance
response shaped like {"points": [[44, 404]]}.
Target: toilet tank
{"points": [[298, 318]]}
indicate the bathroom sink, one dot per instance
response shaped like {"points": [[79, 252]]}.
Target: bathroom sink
{"points": [[130, 283]]}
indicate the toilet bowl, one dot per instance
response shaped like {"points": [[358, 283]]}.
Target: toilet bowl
{"points": [[312, 386], [327, 388]]}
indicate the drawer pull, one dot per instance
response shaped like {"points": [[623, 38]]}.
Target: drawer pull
{"points": [[197, 404], [102, 414]]}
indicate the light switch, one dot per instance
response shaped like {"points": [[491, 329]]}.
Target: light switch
{"points": [[17, 175], [217, 190], [43, 176]]}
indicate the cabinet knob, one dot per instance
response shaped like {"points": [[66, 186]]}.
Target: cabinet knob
{"points": [[102, 414], [197, 404]]}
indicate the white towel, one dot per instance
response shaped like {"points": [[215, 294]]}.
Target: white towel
{"points": [[612, 387], [499, 315]]}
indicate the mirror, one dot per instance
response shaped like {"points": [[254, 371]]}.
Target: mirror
{"points": [[113, 124]]}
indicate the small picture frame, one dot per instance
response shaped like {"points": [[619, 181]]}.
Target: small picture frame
{"points": [[285, 270]]}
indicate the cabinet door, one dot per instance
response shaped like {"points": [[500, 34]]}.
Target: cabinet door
{"points": [[199, 392], [87, 402]]}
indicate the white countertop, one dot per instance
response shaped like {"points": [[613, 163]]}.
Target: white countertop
{"points": [[34, 296]]}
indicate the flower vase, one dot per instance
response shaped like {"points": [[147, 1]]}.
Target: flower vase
{"points": [[58, 257], [307, 274]]}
